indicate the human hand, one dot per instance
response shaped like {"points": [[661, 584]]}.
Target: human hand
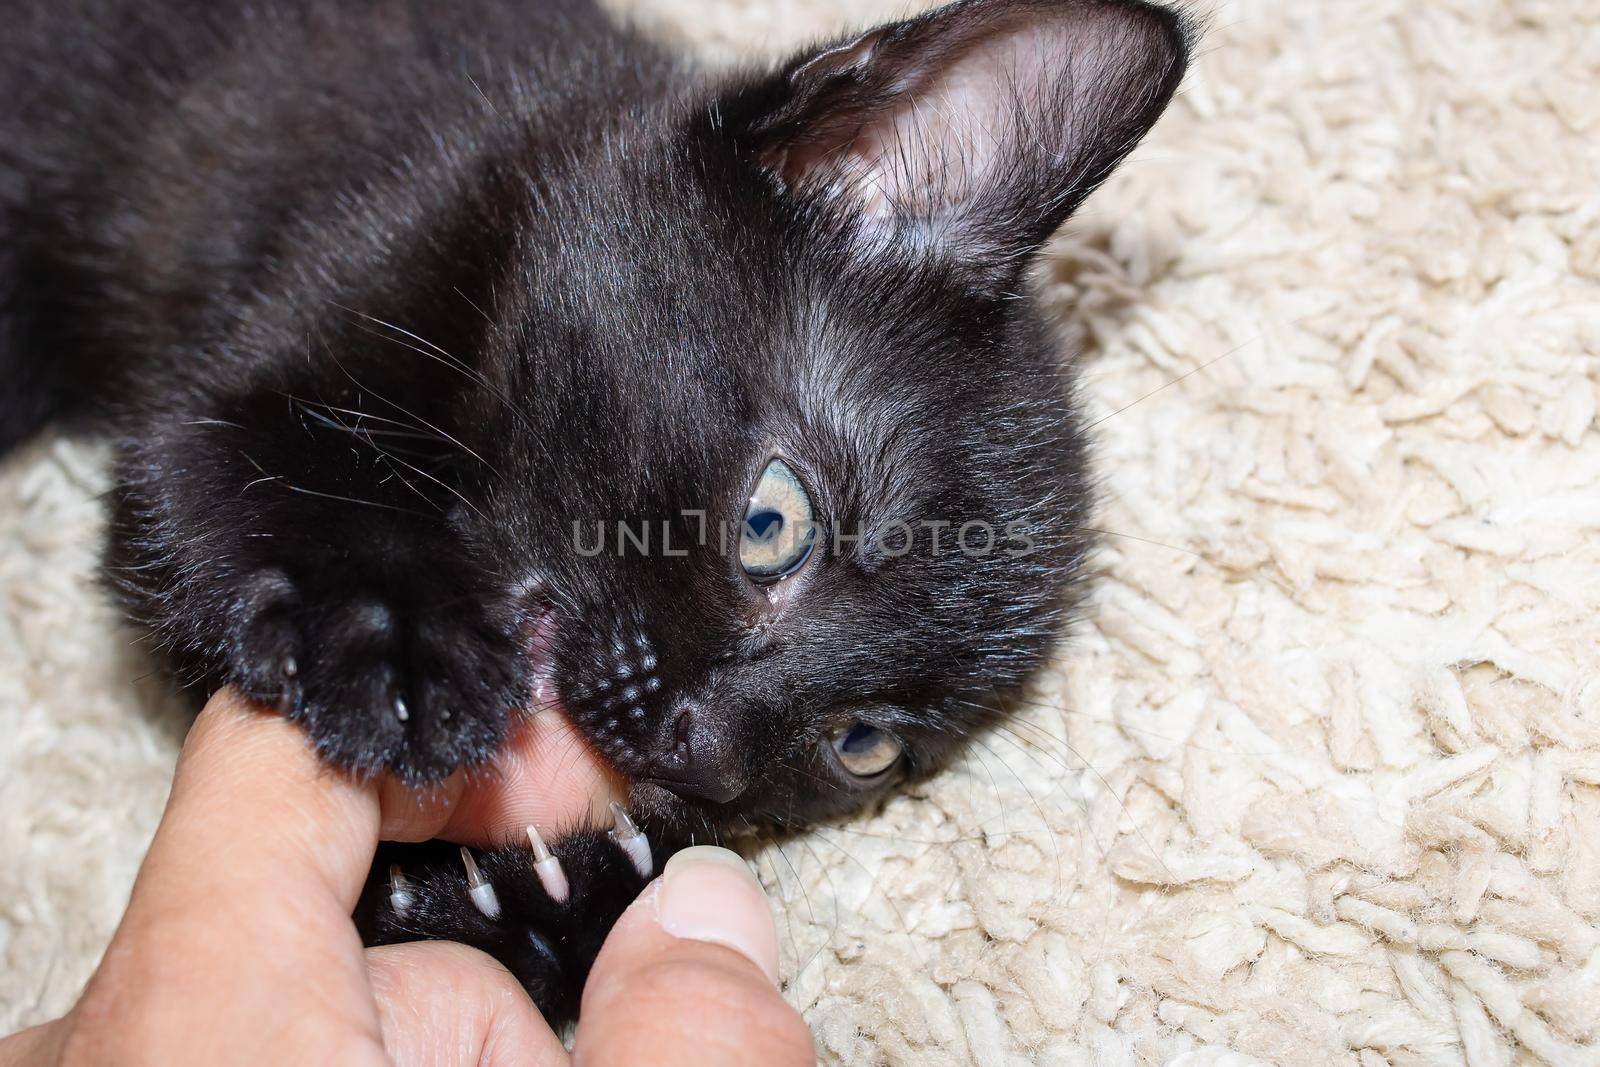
{"points": [[237, 945]]}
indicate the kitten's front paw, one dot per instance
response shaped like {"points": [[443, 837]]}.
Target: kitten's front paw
{"points": [[413, 677], [542, 911]]}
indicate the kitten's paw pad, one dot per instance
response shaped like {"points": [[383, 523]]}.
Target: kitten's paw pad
{"points": [[418, 682]]}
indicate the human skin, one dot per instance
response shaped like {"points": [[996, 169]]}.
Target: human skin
{"points": [[237, 945]]}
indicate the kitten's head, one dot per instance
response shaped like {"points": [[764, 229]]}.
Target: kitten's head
{"points": [[799, 456]]}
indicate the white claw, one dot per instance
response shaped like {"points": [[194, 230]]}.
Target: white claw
{"points": [[401, 896], [629, 838], [478, 887], [548, 868]]}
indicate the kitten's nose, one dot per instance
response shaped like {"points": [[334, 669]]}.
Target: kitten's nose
{"points": [[698, 759]]}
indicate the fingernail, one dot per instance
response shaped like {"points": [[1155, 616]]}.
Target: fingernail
{"points": [[710, 894]]}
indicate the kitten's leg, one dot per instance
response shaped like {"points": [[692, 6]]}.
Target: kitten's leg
{"points": [[315, 548], [545, 921]]}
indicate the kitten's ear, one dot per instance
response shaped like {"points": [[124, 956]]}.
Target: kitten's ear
{"points": [[977, 128]]}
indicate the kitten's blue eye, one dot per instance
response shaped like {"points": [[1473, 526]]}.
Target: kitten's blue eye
{"points": [[764, 525], [777, 534], [866, 751]]}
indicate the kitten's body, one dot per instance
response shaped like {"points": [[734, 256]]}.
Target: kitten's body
{"points": [[378, 298]]}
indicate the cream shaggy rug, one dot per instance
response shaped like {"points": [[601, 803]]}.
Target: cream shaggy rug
{"points": [[1319, 782]]}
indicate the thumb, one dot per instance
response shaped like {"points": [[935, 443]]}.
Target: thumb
{"points": [[687, 977]]}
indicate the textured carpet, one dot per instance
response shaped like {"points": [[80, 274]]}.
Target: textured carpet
{"points": [[1319, 781]]}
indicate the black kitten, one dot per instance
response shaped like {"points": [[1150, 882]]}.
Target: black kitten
{"points": [[468, 357]]}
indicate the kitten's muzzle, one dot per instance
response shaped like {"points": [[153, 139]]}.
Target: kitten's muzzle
{"points": [[698, 759]]}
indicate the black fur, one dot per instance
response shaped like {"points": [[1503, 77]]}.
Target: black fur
{"points": [[548, 946], [376, 298]]}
